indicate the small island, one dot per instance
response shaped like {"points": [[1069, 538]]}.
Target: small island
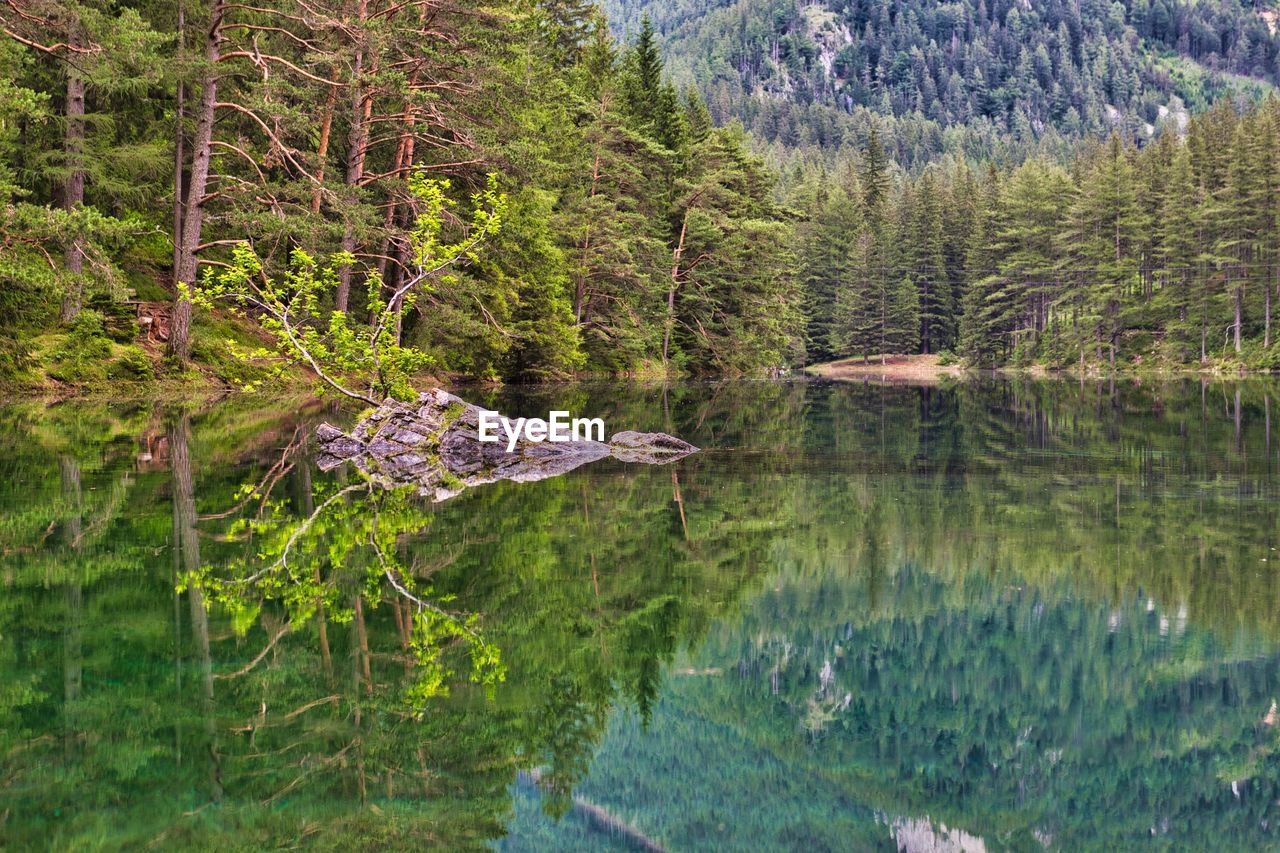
{"points": [[434, 444]]}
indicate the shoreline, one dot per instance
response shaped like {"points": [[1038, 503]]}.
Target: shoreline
{"points": [[928, 370], [896, 370]]}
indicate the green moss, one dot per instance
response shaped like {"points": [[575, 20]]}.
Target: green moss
{"points": [[450, 481], [145, 287], [15, 357], [82, 354], [452, 412], [217, 343], [131, 363]]}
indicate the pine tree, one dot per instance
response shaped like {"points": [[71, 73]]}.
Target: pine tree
{"points": [[1103, 232], [1178, 257], [102, 55], [828, 247], [874, 176], [901, 325], [859, 302], [567, 27], [980, 340], [923, 250]]}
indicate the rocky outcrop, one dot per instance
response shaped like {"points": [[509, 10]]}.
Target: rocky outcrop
{"points": [[434, 444]]}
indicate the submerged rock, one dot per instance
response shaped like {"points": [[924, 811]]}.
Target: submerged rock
{"points": [[434, 444]]}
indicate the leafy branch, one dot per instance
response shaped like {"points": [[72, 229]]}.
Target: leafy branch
{"points": [[361, 361], [352, 537]]}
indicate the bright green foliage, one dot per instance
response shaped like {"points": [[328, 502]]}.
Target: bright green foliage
{"points": [[363, 361], [84, 353], [350, 542]]}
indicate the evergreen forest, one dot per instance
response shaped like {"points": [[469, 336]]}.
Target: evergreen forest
{"points": [[541, 191]]}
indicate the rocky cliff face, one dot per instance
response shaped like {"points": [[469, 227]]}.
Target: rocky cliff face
{"points": [[434, 444]]}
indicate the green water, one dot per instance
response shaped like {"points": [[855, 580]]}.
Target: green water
{"points": [[1012, 614]]}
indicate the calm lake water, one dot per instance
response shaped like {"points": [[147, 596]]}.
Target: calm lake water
{"points": [[1009, 615]]}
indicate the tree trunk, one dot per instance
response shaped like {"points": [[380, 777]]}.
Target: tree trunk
{"points": [[357, 142], [73, 191], [306, 496], [201, 150], [402, 168], [179, 139], [1266, 414], [187, 543], [73, 630], [322, 150], [1239, 300], [580, 290], [1266, 323], [671, 290]]}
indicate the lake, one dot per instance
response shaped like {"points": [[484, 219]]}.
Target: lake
{"points": [[1001, 615]]}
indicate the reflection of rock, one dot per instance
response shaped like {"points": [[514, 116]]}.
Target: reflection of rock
{"points": [[921, 835], [434, 444]]}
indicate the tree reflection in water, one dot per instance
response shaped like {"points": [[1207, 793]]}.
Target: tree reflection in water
{"points": [[875, 584]]}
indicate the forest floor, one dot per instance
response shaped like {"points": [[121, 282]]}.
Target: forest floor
{"points": [[914, 369]]}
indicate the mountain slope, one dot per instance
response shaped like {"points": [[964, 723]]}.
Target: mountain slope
{"points": [[954, 75]]}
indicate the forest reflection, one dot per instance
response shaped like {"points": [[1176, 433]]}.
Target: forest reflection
{"points": [[206, 638]]}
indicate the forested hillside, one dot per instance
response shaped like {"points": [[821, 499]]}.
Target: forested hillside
{"points": [[1167, 254], [147, 143], [973, 77], [511, 191]]}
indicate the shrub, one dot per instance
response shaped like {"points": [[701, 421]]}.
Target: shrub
{"points": [[133, 364], [1255, 357], [15, 357], [83, 354]]}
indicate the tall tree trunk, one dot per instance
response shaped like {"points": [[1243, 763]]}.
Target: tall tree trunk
{"points": [[306, 496], [201, 150], [1266, 414], [1266, 329], [322, 149], [357, 142], [671, 291], [1239, 306], [1236, 418], [580, 290], [179, 142], [73, 191], [73, 625], [187, 542]]}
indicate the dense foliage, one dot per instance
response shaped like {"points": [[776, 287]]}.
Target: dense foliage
{"points": [[663, 630], [968, 77], [1012, 185], [1161, 254], [146, 143]]}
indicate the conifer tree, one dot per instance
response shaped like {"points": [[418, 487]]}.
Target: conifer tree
{"points": [[1178, 232], [923, 249], [1103, 232], [828, 259]]}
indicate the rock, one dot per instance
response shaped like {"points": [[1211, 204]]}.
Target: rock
{"points": [[434, 444], [649, 447]]}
